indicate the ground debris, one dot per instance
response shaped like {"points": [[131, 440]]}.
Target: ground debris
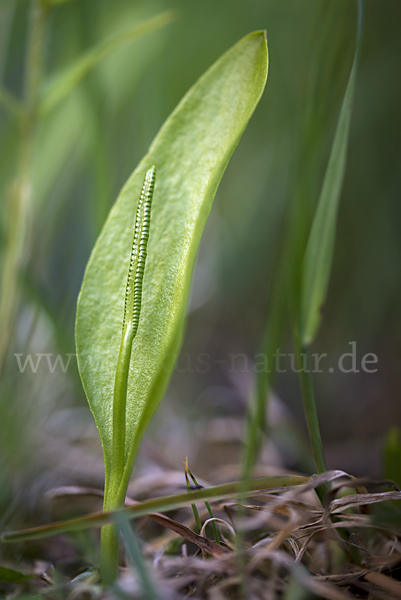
{"points": [[272, 546]]}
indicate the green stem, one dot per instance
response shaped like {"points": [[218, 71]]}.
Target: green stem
{"points": [[20, 191], [110, 534], [193, 506], [119, 405], [214, 526], [109, 543], [256, 419], [117, 478], [308, 396], [208, 508]]}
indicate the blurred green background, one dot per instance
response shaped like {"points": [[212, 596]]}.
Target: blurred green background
{"points": [[87, 147]]}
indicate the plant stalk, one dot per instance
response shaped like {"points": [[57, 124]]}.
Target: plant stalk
{"points": [[308, 396], [257, 426], [116, 483], [109, 540], [20, 191]]}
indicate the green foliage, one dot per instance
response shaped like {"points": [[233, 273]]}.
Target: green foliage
{"points": [[9, 575], [63, 83], [319, 251], [317, 261], [115, 114], [138, 562], [271, 339], [12, 104], [190, 153], [315, 272]]}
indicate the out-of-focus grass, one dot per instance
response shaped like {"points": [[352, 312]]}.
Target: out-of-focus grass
{"points": [[88, 146]]}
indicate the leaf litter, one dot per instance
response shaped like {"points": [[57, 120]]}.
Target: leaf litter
{"points": [[274, 544]]}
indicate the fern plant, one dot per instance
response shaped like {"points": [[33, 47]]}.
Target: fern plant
{"points": [[125, 362]]}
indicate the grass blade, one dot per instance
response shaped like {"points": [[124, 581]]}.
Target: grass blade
{"points": [[63, 83], [208, 507], [193, 506], [256, 426], [320, 247], [138, 561], [310, 410], [219, 492]]}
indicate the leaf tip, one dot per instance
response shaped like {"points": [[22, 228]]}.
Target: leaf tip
{"points": [[261, 36]]}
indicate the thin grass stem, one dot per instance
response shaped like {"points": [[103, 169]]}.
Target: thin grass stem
{"points": [[308, 396], [20, 190], [257, 425], [208, 508], [134, 550], [193, 506]]}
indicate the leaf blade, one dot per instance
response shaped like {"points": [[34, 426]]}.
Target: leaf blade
{"points": [[319, 251], [10, 575], [191, 153]]}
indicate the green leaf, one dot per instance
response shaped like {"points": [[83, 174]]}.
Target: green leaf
{"points": [[190, 153], [320, 247], [225, 491], [63, 83], [9, 575], [148, 585]]}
